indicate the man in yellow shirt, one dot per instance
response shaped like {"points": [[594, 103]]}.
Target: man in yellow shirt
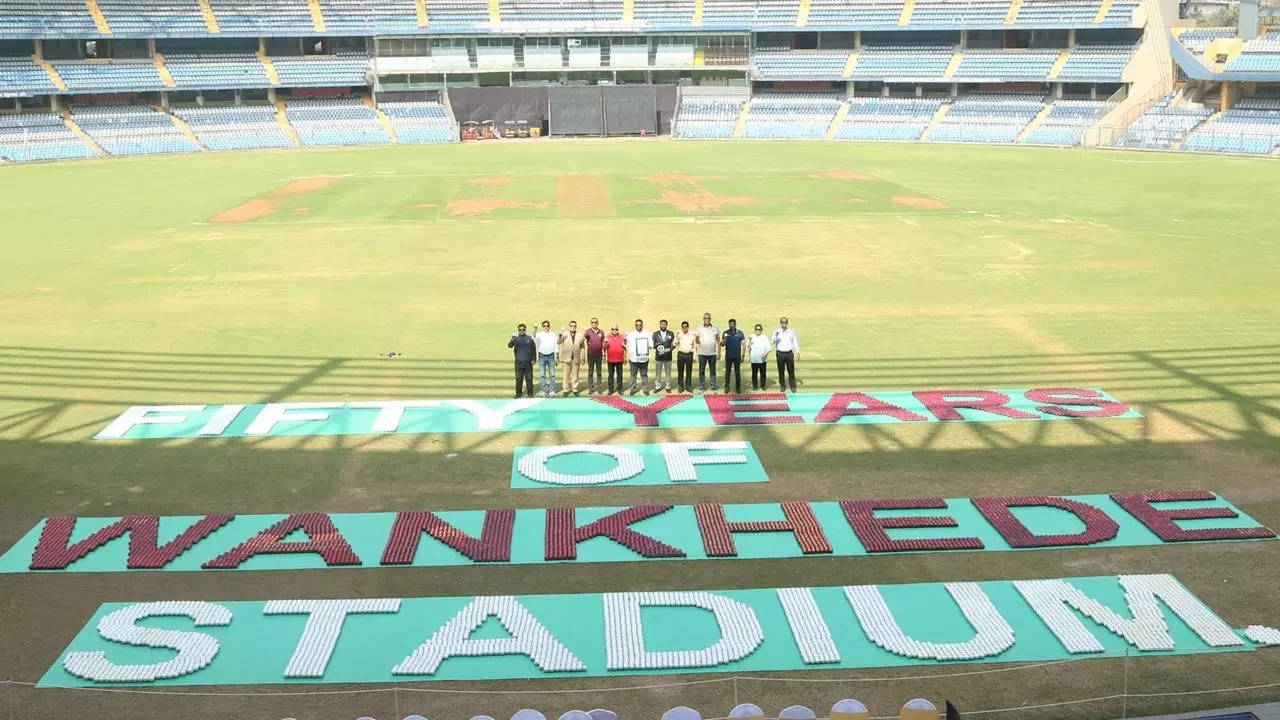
{"points": [[685, 343], [573, 347]]}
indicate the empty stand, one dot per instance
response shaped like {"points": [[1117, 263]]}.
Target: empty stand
{"points": [[132, 130], [988, 118], [217, 71], [335, 121], [907, 61], [323, 70], [803, 116], [109, 75], [887, 118], [960, 13], [39, 136], [799, 64], [863, 13], [1163, 125], [707, 116], [46, 17], [370, 16], [1067, 122], [659, 13], [266, 17], [153, 17], [244, 127], [561, 11], [1262, 54], [1096, 63], [22, 74], [1005, 64], [420, 122], [1251, 127]]}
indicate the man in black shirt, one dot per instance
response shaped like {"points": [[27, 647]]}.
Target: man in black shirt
{"points": [[524, 350], [663, 343], [732, 344]]}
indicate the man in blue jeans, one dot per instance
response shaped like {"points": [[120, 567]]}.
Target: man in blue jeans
{"points": [[708, 351], [548, 344]]}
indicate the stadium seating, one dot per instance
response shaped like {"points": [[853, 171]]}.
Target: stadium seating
{"points": [[775, 13], [458, 14], [109, 75], [987, 118], [420, 122], [1067, 121], [335, 121], [131, 129], [1162, 125], [262, 17], [728, 13], [791, 116], [1197, 39], [572, 12], [217, 71], [960, 13], [370, 16], [800, 64], [39, 136], [153, 17], [243, 127], [323, 70], [864, 13], [1252, 127], [660, 13], [1006, 64], [1057, 13], [887, 118], [21, 74], [917, 61], [45, 17], [1262, 54], [707, 116], [1096, 63]]}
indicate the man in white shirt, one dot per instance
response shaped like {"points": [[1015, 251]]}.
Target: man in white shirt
{"points": [[639, 343], [758, 347], [708, 351], [548, 344], [788, 347]]}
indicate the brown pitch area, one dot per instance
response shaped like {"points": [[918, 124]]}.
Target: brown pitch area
{"points": [[265, 205], [582, 195]]}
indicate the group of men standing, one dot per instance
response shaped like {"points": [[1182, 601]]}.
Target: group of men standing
{"points": [[613, 351]]}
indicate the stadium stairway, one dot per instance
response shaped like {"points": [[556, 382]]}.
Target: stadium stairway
{"points": [[953, 65], [935, 121], [1012, 16], [163, 70], [99, 19], [697, 13], [382, 118], [802, 14], [317, 16], [850, 64], [1058, 64], [210, 19], [740, 124], [184, 128], [51, 72], [1035, 122], [420, 8], [270, 68], [80, 133], [908, 7], [837, 121], [1103, 10], [495, 11], [283, 121], [628, 10]]}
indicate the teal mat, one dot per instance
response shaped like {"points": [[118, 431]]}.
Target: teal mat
{"points": [[533, 414], [368, 533], [255, 648]]}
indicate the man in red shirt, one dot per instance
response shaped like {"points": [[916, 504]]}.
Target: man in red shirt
{"points": [[615, 352], [595, 357]]}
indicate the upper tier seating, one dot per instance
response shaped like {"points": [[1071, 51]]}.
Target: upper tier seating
{"points": [[1197, 39], [267, 17], [799, 64], [960, 13], [1097, 63], [659, 13], [39, 136], [1162, 125], [887, 118], [791, 115], [1262, 54], [229, 127], [1252, 126], [1057, 13], [231, 70], [561, 11], [153, 17], [369, 16], [420, 122], [1121, 13], [132, 129], [988, 118], [109, 75], [314, 70], [922, 61], [708, 116], [1067, 122], [865, 13], [776, 13], [735, 13], [1006, 64], [22, 74], [54, 17], [335, 121], [457, 13]]}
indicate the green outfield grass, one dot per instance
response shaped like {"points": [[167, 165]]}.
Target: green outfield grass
{"points": [[268, 277]]}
